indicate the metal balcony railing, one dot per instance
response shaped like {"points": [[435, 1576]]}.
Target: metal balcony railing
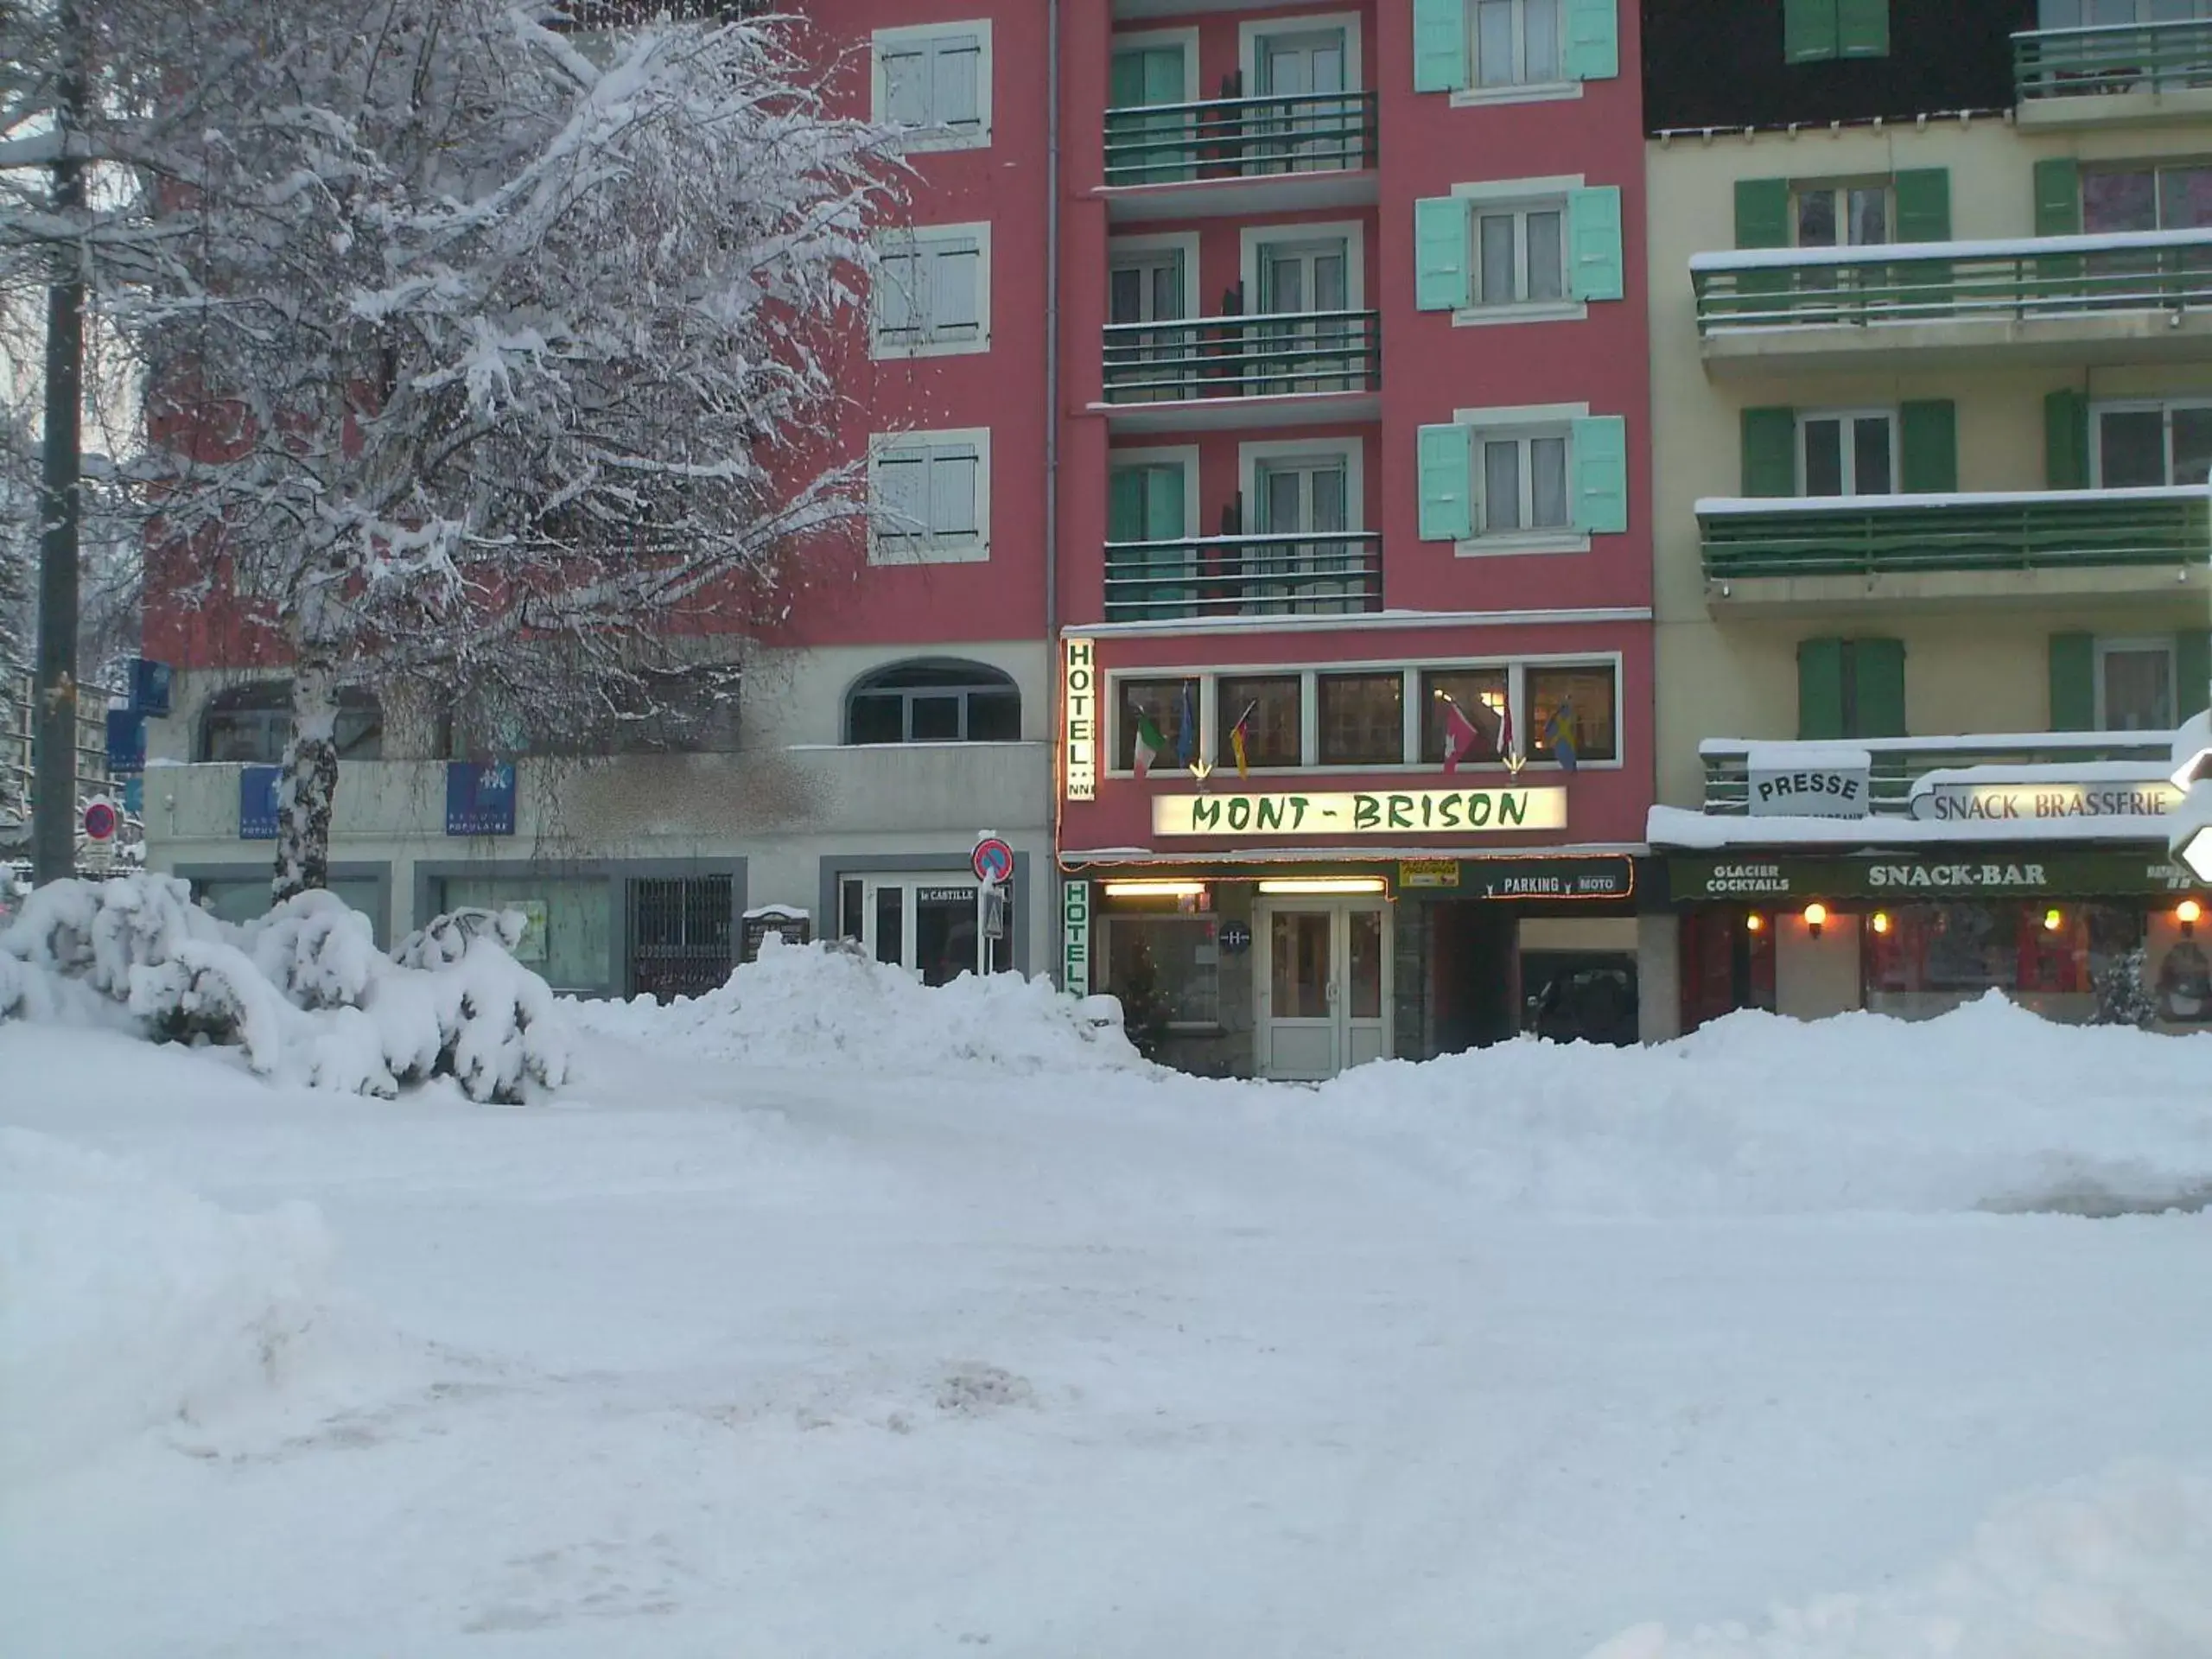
{"points": [[1888, 535], [1310, 573], [2049, 63], [2029, 279], [1900, 762], [1242, 357], [1240, 138]]}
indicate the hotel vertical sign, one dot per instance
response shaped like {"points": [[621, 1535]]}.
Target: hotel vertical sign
{"points": [[1075, 936], [1079, 699]]}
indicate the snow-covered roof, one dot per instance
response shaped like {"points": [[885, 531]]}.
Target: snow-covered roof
{"points": [[1722, 748], [1674, 828], [2070, 771], [1820, 757], [2011, 247]]}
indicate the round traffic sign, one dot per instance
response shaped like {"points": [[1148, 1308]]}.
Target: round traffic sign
{"points": [[993, 861], [100, 821]]}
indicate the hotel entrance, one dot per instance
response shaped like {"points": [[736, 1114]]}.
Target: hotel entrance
{"points": [[1322, 982]]}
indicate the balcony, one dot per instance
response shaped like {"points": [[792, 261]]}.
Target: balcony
{"points": [[2112, 74], [1211, 372], [2148, 546], [1241, 155], [1318, 573], [2134, 297], [1901, 764]]}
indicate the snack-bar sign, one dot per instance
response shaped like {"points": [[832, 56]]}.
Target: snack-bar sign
{"points": [[1755, 880]]}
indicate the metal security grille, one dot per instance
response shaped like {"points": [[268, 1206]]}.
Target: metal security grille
{"points": [[679, 935]]}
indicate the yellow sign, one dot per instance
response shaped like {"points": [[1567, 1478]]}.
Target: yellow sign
{"points": [[1429, 872], [1079, 699], [1396, 812]]}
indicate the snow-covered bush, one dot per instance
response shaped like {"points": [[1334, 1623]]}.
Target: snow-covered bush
{"points": [[302, 993]]}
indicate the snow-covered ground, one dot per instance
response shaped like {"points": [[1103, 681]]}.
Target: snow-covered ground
{"points": [[828, 1316]]}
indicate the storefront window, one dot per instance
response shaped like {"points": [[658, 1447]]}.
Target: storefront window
{"points": [[1577, 702], [1270, 708], [1480, 694], [1363, 718], [245, 899], [569, 936], [1173, 958], [1169, 702], [1951, 952]]}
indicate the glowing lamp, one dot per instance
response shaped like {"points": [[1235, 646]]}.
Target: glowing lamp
{"points": [[1880, 921]]}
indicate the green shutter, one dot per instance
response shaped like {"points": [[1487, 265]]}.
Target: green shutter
{"points": [[1820, 690], [2066, 440], [1929, 438], [1762, 212], [1877, 689], [1600, 448], [1809, 30], [1863, 27], [1924, 204], [2058, 197], [1769, 452], [1125, 504], [1439, 45], [1448, 458], [1125, 81], [1441, 253], [2073, 681], [1593, 40], [2192, 673], [1594, 222]]}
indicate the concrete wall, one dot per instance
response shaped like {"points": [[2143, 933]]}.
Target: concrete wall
{"points": [[1970, 666], [1814, 978]]}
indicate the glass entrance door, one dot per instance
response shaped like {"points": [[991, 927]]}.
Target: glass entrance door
{"points": [[1308, 134], [1305, 286], [1324, 988], [1148, 365], [926, 924]]}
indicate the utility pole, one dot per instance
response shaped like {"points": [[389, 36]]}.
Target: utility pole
{"points": [[54, 753]]}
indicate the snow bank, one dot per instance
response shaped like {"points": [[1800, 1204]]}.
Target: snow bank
{"points": [[1988, 1106], [303, 994], [801, 1005], [2116, 1568], [125, 1303]]}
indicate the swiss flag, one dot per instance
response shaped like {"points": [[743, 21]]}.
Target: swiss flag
{"points": [[1459, 735]]}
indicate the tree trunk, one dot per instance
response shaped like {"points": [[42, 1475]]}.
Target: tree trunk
{"points": [[308, 787]]}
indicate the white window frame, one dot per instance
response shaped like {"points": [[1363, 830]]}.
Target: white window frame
{"points": [[1351, 451], [1210, 674], [931, 139], [1527, 92], [1182, 455], [1183, 242], [918, 240], [2164, 407], [1847, 417], [1521, 420], [925, 548], [2135, 645], [1521, 195], [1253, 239], [1248, 35], [1841, 187]]}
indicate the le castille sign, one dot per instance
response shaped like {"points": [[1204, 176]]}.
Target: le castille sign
{"points": [[1383, 812], [1755, 878]]}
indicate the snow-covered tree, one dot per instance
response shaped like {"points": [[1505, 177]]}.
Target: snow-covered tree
{"points": [[492, 354]]}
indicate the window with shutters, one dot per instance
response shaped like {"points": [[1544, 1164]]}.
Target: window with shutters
{"points": [[2135, 685], [932, 292], [2142, 197], [2147, 445], [1512, 250], [1520, 481], [1843, 213], [929, 497], [1520, 253], [1538, 477], [935, 83], [1844, 452], [1517, 42], [1816, 31], [1512, 51]]}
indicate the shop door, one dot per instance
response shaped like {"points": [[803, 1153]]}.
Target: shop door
{"points": [[1324, 988], [925, 924]]}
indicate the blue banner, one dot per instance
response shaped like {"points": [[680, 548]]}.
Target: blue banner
{"points": [[480, 797], [257, 802], [134, 798], [126, 742], [150, 687]]}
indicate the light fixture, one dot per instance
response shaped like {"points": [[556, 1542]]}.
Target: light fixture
{"points": [[2189, 912], [1879, 921], [1156, 889], [2053, 919], [1755, 923], [1319, 887], [1816, 918]]}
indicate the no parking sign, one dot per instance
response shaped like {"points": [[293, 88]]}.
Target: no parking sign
{"points": [[993, 861]]}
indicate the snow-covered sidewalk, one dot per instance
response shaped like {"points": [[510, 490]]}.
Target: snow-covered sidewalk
{"points": [[853, 1346]]}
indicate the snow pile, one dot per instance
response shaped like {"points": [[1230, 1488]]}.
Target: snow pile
{"points": [[801, 1005], [1988, 1106], [2119, 1567], [303, 994], [125, 1303]]}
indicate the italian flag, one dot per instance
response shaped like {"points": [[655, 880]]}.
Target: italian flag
{"points": [[1150, 744]]}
